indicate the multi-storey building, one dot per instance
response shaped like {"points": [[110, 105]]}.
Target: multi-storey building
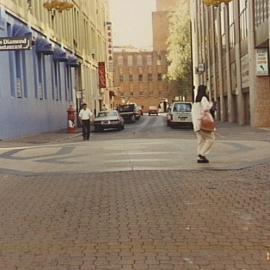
{"points": [[231, 54], [58, 66], [140, 76]]}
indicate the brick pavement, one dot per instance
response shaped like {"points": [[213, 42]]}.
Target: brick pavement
{"points": [[154, 220]]}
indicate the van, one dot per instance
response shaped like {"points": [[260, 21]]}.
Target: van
{"points": [[180, 114]]}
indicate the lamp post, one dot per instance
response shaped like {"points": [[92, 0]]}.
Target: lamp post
{"points": [[59, 5], [215, 2]]}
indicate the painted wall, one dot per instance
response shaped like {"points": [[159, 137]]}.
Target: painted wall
{"points": [[30, 111]]}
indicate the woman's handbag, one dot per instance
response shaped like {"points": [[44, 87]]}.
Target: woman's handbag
{"points": [[207, 122]]}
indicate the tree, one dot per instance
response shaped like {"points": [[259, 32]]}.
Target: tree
{"points": [[179, 45]]}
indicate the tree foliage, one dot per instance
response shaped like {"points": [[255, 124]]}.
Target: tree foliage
{"points": [[179, 43]]}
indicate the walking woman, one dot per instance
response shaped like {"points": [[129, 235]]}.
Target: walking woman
{"points": [[205, 139]]}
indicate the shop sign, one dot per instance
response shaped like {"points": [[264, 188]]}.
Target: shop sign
{"points": [[262, 65], [18, 43]]}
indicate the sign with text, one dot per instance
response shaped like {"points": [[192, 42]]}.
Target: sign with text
{"points": [[18, 43], [102, 74], [262, 65]]}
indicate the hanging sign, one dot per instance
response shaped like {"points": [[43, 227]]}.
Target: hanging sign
{"points": [[16, 43], [262, 65], [102, 74]]}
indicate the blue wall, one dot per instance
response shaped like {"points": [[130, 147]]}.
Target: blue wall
{"points": [[32, 110]]}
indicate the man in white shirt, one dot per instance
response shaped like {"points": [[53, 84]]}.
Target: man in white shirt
{"points": [[85, 116]]}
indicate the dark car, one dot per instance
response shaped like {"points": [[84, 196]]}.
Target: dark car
{"points": [[153, 110], [108, 120], [128, 112]]}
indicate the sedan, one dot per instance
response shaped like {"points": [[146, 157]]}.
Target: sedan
{"points": [[108, 120]]}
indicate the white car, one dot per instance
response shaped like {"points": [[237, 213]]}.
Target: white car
{"points": [[108, 120], [180, 114]]}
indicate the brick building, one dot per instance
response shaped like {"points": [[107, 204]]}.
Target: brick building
{"points": [[140, 75], [231, 52]]}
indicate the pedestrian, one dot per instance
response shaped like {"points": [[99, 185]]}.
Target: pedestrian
{"points": [[85, 116], [205, 139]]}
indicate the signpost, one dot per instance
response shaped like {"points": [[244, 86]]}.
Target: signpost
{"points": [[262, 62]]}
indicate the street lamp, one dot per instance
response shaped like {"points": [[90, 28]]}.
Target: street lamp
{"points": [[215, 2], [58, 5]]}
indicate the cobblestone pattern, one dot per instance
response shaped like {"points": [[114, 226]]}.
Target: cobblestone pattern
{"points": [[136, 220]]}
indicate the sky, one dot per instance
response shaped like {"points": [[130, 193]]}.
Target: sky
{"points": [[132, 22]]}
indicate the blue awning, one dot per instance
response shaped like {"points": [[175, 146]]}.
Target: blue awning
{"points": [[73, 61], [44, 46], [20, 30], [60, 55]]}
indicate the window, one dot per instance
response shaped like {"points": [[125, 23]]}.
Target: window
{"points": [[139, 60], [130, 77], [130, 60], [231, 25], [261, 11], [131, 93], [141, 93], [150, 77], [159, 77], [243, 19], [159, 60], [140, 77], [120, 60], [121, 78], [149, 60]]}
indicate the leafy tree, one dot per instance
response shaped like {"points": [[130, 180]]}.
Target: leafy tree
{"points": [[179, 45]]}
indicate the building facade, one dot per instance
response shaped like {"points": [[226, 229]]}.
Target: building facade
{"points": [[140, 77], [59, 69], [230, 56]]}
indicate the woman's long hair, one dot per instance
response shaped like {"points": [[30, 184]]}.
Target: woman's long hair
{"points": [[201, 93]]}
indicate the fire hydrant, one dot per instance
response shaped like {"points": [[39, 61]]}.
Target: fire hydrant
{"points": [[71, 119]]}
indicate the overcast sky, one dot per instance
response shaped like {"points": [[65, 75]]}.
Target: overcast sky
{"points": [[132, 22]]}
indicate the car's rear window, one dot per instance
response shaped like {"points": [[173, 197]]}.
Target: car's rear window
{"points": [[182, 107], [104, 114]]}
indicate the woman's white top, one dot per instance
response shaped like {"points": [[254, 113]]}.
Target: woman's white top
{"points": [[198, 108]]}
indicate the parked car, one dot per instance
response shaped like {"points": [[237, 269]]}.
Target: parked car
{"points": [[180, 114], [108, 120], [153, 110], [139, 111]]}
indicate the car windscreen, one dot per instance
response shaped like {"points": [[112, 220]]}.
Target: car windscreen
{"points": [[105, 114], [126, 108], [182, 107]]}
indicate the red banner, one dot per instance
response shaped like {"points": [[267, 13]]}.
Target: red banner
{"points": [[102, 74]]}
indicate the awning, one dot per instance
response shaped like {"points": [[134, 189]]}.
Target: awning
{"points": [[20, 30], [44, 46], [73, 61], [60, 55]]}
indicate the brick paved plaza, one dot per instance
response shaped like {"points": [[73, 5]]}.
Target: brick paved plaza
{"points": [[155, 220]]}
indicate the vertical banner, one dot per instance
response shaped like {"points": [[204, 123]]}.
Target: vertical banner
{"points": [[102, 74]]}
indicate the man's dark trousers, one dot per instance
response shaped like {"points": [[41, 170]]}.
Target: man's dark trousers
{"points": [[86, 129]]}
